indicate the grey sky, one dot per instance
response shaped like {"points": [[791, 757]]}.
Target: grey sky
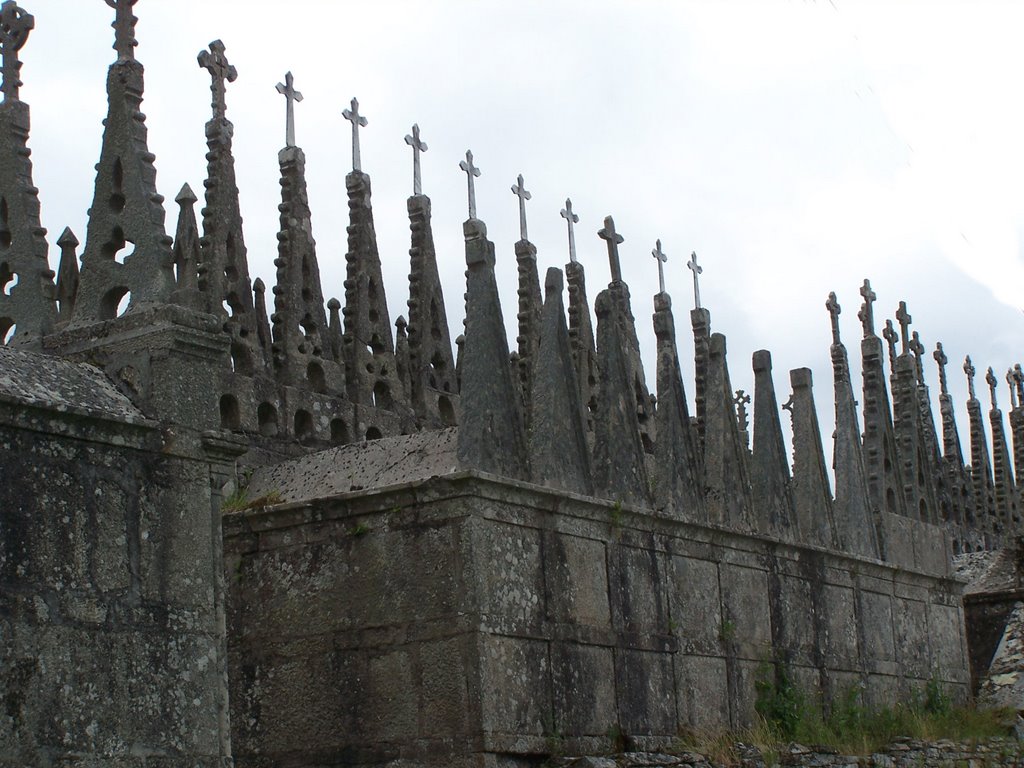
{"points": [[797, 147]]}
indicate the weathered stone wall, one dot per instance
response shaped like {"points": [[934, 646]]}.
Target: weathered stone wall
{"points": [[111, 628], [471, 616]]}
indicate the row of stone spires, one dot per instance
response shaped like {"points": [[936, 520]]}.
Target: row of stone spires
{"points": [[572, 410]]}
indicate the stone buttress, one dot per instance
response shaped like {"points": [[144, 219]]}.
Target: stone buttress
{"points": [[812, 498], [769, 469], [67, 276], [986, 518], [727, 484], [528, 317], [960, 518], [187, 253], [1004, 489], [581, 334]]}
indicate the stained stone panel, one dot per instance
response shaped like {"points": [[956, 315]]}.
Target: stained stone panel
{"points": [[911, 630], [510, 579], [645, 692], [695, 604], [746, 619], [584, 689], [637, 592], [516, 686], [702, 691], [839, 643], [577, 581]]}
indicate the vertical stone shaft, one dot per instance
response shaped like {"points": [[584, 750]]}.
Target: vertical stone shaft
{"points": [[728, 497], [187, 254], [981, 475], [769, 469], [581, 335], [1004, 490], [529, 319], [679, 474], [432, 376], [880, 460], [266, 338], [491, 435], [67, 276], [700, 320], [908, 440], [811, 495]]}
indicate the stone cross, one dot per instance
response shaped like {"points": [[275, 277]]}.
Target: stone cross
{"points": [[472, 172], [918, 349], [614, 239], [15, 25], [904, 319], [970, 371], [661, 257], [221, 72], [990, 377], [1012, 383], [867, 312], [697, 270], [1018, 378], [124, 29], [570, 219], [519, 190], [742, 400], [940, 357], [358, 121], [890, 335], [832, 305], [287, 89], [418, 146]]}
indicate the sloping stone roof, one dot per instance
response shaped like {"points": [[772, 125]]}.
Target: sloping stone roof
{"points": [[359, 467], [35, 379]]}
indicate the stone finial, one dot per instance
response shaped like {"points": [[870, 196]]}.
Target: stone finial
{"points": [[614, 240], [530, 307], [186, 249], [891, 337], [472, 172], [519, 190], [335, 330], [418, 146], [215, 61], [867, 312], [1012, 386], [904, 319], [1018, 378], [287, 89], [918, 349], [67, 275], [124, 29], [970, 370], [358, 121], [811, 494], [741, 400], [570, 219], [263, 332], [697, 270], [992, 381], [581, 335], [769, 469], [661, 258], [402, 365], [832, 305], [941, 360], [15, 25], [558, 440]]}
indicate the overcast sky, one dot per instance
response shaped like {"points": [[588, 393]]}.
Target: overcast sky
{"points": [[798, 147]]}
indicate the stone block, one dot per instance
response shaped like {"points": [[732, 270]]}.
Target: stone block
{"points": [[637, 591], [444, 698], [584, 689], [912, 639], [793, 615], [577, 576], [646, 695], [746, 619], [695, 604], [946, 635], [515, 686], [702, 691], [509, 577], [841, 648], [879, 651], [388, 713]]}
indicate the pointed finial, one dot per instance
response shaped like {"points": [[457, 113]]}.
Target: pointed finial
{"points": [[124, 29], [221, 72], [832, 305], [661, 258], [614, 239], [990, 378], [697, 270], [67, 239], [904, 319], [519, 190], [867, 312], [891, 337], [401, 324], [15, 24], [918, 349], [186, 196], [970, 371], [1018, 378], [287, 89], [1012, 384], [472, 172], [358, 121], [940, 357], [741, 401], [570, 219], [258, 286], [418, 146]]}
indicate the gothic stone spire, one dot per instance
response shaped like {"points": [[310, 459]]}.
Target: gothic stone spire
{"points": [[811, 495], [769, 469]]}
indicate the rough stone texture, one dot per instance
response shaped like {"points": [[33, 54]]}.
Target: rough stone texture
{"points": [[812, 498], [769, 468], [581, 333], [726, 480], [529, 317]]}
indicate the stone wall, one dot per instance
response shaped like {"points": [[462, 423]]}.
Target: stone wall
{"points": [[111, 625], [466, 620]]}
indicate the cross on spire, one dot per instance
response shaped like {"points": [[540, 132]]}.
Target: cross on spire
{"points": [[694, 267], [970, 371], [661, 257], [940, 357], [418, 146], [472, 172], [867, 312], [287, 89], [614, 239], [570, 219], [904, 318], [741, 401], [1012, 384], [832, 305], [124, 29], [15, 24], [358, 121], [216, 63], [918, 349], [519, 190], [1018, 379], [990, 377], [891, 337]]}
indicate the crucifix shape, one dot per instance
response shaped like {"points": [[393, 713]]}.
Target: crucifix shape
{"points": [[614, 239], [418, 146], [1018, 378], [889, 334], [15, 25], [742, 400], [970, 371], [1012, 384], [832, 305], [940, 357], [124, 28], [990, 377], [570, 219], [287, 89], [661, 257], [904, 319], [358, 121], [694, 267], [472, 172], [918, 349], [221, 71], [867, 312], [519, 190]]}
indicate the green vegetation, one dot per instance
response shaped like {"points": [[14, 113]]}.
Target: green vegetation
{"points": [[239, 501], [359, 529]]}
